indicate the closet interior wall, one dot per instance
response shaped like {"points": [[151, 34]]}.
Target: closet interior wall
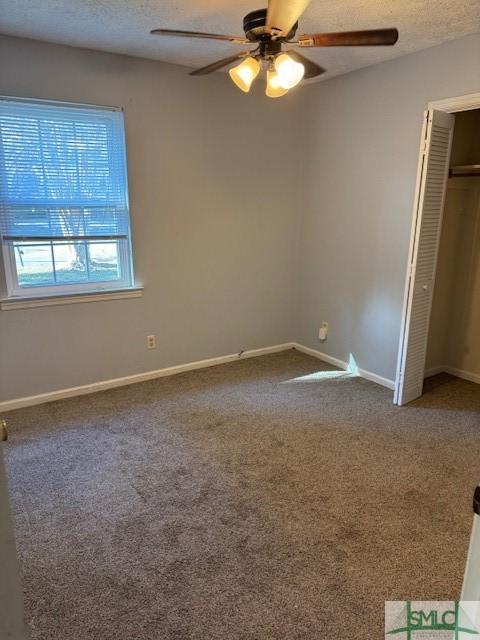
{"points": [[454, 336]]}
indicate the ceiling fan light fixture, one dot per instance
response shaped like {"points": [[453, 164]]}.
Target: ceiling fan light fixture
{"points": [[290, 73], [245, 73], [271, 29], [273, 88]]}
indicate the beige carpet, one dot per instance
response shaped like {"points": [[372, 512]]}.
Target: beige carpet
{"points": [[252, 500]]}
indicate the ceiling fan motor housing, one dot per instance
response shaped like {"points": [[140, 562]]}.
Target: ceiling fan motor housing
{"points": [[254, 25]]}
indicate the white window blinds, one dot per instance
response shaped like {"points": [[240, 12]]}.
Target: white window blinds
{"points": [[63, 172]]}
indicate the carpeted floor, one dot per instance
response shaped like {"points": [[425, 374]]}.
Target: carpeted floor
{"points": [[248, 501]]}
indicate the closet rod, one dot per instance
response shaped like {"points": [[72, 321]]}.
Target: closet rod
{"points": [[451, 174], [464, 171]]}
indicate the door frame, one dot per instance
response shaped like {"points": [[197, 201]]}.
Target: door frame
{"points": [[449, 105]]}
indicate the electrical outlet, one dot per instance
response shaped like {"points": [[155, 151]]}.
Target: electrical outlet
{"points": [[151, 342], [323, 331]]}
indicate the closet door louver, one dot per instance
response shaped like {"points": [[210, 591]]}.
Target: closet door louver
{"points": [[430, 196]]}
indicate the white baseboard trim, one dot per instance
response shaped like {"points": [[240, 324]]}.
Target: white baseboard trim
{"points": [[41, 398], [459, 373], [433, 371], [465, 375], [341, 364], [103, 385], [374, 377], [321, 356]]}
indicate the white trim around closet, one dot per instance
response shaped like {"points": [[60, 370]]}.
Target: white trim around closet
{"points": [[454, 105]]}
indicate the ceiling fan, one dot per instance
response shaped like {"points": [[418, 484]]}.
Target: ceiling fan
{"points": [[273, 31]]}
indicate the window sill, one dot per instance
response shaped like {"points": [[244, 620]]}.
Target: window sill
{"points": [[8, 304]]}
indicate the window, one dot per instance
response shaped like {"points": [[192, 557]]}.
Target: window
{"points": [[64, 219]]}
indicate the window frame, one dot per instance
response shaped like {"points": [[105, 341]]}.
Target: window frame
{"points": [[16, 291]]}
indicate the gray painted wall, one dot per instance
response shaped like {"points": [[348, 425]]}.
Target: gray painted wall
{"points": [[361, 141], [253, 220], [214, 185]]}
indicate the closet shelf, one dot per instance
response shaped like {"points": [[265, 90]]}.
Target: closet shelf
{"points": [[464, 171]]}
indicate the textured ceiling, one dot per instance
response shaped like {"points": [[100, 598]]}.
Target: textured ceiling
{"points": [[122, 26]]}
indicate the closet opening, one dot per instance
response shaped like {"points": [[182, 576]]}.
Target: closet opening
{"points": [[454, 333], [440, 331]]}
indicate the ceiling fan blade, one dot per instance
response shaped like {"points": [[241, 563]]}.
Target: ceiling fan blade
{"points": [[312, 69], [199, 34], [369, 38], [210, 68], [283, 14]]}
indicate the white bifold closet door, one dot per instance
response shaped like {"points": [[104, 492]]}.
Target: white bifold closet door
{"points": [[425, 240]]}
